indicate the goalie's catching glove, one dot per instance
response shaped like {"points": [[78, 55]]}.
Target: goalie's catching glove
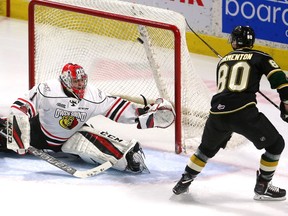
{"points": [[161, 114], [283, 112]]}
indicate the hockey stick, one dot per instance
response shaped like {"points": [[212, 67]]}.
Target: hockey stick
{"points": [[211, 48], [216, 53], [65, 167], [269, 100]]}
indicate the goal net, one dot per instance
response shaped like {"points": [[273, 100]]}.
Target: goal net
{"points": [[126, 49]]}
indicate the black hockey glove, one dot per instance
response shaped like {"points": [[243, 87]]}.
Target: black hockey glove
{"points": [[284, 113]]}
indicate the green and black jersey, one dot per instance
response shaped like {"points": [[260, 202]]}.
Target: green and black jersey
{"points": [[238, 79]]}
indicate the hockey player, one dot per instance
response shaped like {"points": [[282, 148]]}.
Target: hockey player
{"points": [[53, 116], [233, 109]]}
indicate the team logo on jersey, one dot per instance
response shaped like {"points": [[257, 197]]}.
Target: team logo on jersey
{"points": [[60, 113], [68, 122]]}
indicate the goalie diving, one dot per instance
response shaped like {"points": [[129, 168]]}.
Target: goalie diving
{"points": [[53, 116]]}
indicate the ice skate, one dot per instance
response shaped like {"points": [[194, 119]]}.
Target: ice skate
{"points": [[183, 184], [266, 191], [135, 161]]}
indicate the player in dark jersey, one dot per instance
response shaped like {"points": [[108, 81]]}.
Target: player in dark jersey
{"points": [[233, 109]]}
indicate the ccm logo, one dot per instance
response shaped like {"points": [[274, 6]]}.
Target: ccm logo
{"points": [[106, 134], [10, 132]]}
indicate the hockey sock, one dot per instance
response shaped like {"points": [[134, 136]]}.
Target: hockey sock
{"points": [[268, 165]]}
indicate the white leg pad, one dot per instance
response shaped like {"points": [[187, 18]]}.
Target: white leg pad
{"points": [[18, 133], [78, 144]]}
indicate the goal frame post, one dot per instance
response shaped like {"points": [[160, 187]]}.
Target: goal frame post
{"points": [[102, 14]]}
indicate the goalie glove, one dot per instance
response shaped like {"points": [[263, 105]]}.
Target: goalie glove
{"points": [[283, 112], [161, 114], [144, 110]]}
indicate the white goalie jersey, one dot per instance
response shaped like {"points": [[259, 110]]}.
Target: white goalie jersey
{"points": [[61, 116]]}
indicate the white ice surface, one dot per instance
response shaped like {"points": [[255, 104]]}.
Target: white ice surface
{"points": [[29, 186]]}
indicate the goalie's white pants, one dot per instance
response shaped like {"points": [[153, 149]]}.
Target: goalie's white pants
{"points": [[93, 147]]}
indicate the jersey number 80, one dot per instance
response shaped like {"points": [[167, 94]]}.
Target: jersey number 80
{"points": [[235, 77]]}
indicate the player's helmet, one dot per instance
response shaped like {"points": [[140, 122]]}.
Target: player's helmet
{"points": [[74, 79], [242, 36]]}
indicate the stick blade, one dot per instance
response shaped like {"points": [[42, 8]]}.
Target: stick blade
{"points": [[94, 171]]}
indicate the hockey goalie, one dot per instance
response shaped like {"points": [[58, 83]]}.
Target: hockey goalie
{"points": [[53, 116]]}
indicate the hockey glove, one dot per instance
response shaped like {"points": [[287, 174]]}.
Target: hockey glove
{"points": [[144, 110], [283, 112], [159, 115]]}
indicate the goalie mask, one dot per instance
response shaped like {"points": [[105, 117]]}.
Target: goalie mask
{"points": [[74, 79], [242, 36]]}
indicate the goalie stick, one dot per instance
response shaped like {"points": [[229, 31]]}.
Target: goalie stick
{"points": [[67, 168]]}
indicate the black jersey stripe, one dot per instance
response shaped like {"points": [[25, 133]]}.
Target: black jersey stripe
{"points": [[116, 110]]}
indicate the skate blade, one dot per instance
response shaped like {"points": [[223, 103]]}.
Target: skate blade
{"points": [[184, 192], [268, 198]]}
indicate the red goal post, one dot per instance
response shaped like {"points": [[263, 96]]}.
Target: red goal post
{"points": [[66, 31]]}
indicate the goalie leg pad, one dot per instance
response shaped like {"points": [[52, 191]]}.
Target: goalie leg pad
{"points": [[18, 133], [93, 148], [86, 147], [3, 134]]}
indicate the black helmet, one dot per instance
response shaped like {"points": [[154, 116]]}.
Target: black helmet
{"points": [[242, 36]]}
